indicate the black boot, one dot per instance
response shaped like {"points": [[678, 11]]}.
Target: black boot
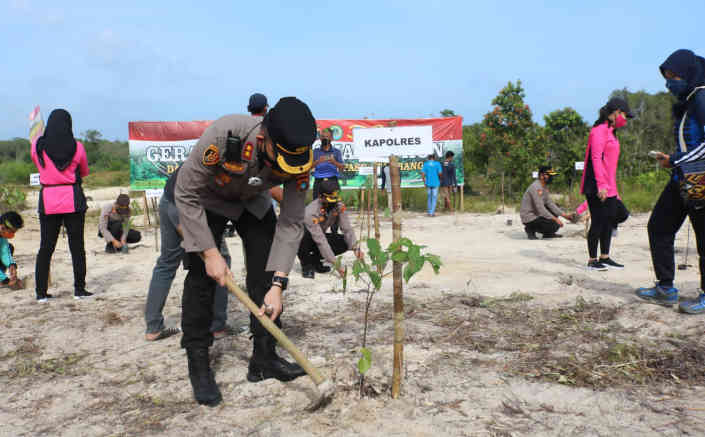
{"points": [[530, 234], [265, 363], [320, 268], [307, 272], [205, 390]]}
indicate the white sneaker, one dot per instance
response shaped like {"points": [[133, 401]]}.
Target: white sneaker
{"points": [[42, 300]]}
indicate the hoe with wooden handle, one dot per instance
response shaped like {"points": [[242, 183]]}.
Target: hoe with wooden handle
{"points": [[325, 387]]}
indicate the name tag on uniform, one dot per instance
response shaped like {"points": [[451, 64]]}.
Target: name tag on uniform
{"points": [[254, 181]]}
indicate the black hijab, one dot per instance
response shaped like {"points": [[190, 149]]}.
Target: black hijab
{"points": [[689, 67], [58, 141]]}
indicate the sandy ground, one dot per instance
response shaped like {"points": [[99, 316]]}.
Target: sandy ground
{"points": [[83, 367]]}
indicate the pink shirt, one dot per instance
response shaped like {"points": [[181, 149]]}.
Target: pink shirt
{"points": [[603, 150], [59, 195]]}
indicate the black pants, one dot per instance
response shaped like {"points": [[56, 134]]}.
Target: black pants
{"points": [[603, 216], [542, 225], [666, 219], [3, 267], [115, 228], [317, 185], [310, 255], [49, 230], [199, 289]]}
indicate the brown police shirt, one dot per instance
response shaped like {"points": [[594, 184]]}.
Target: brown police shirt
{"points": [[107, 215], [317, 222], [202, 185], [537, 203]]}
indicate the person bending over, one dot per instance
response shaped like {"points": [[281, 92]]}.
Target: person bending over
{"points": [[317, 244]]}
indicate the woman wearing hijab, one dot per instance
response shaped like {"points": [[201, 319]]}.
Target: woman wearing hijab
{"points": [[599, 183], [685, 79], [62, 163]]}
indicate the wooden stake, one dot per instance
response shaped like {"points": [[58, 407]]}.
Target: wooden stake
{"points": [[146, 209], [398, 285], [369, 211], [462, 203], [375, 205], [155, 209], [361, 216]]}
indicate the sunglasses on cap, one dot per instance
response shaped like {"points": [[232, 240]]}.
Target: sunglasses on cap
{"points": [[333, 197]]}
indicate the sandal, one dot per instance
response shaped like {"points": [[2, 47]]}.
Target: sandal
{"points": [[164, 333]]}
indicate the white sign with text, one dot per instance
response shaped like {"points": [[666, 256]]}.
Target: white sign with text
{"points": [[377, 144], [34, 179]]}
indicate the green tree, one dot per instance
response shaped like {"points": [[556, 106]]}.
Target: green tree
{"points": [[566, 134], [511, 138], [447, 113]]}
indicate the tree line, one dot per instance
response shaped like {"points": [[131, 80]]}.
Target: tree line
{"points": [[103, 155], [507, 145]]}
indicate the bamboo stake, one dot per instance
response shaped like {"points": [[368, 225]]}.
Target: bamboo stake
{"points": [[398, 286]]}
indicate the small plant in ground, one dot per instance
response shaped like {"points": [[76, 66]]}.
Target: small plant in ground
{"points": [[371, 274]]}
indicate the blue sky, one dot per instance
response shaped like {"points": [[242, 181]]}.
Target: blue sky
{"points": [[178, 60]]}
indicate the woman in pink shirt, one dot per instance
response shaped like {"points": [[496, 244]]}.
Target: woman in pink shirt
{"points": [[62, 163], [599, 183]]}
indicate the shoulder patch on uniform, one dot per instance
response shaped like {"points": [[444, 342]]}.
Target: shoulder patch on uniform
{"points": [[247, 152], [222, 179], [540, 191], [211, 156], [341, 207]]}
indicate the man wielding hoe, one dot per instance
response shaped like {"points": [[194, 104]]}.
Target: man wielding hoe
{"points": [[538, 212], [317, 244], [227, 176]]}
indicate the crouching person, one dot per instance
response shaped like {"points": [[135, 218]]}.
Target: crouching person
{"points": [[111, 225], [538, 212], [10, 222], [317, 244]]}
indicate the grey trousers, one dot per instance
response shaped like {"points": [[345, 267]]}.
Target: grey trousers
{"points": [[165, 270]]}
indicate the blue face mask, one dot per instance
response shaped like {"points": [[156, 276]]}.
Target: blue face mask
{"points": [[677, 87]]}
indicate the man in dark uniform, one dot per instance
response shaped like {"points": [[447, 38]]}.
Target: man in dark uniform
{"points": [[317, 244], [227, 176]]}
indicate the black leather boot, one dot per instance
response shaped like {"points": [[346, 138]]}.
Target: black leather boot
{"points": [[265, 363], [205, 390], [320, 268]]}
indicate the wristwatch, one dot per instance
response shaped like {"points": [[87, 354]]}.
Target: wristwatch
{"points": [[280, 281]]}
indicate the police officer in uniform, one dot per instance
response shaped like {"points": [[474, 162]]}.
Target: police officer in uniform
{"points": [[227, 176], [317, 244]]}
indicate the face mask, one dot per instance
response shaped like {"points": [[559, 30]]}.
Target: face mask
{"points": [[620, 121], [6, 233], [677, 87], [325, 142], [549, 180]]}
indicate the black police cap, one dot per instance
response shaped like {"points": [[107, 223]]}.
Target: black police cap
{"points": [[292, 128]]}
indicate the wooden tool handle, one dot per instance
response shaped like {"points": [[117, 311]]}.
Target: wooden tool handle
{"points": [[275, 331]]}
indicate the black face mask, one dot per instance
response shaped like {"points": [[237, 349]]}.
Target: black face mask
{"points": [[549, 180], [325, 142]]}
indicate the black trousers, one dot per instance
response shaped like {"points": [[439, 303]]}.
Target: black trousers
{"points": [[49, 231], [199, 289], [542, 225], [115, 228], [603, 216], [310, 255], [317, 185], [666, 219]]}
